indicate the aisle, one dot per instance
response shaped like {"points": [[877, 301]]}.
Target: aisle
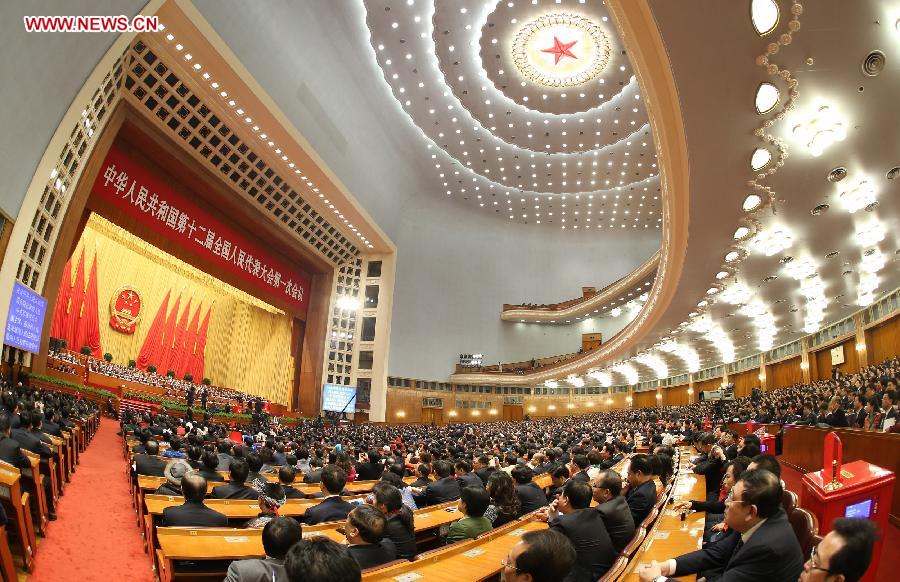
{"points": [[96, 537]]}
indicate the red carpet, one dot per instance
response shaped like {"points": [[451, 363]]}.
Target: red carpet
{"points": [[793, 481], [96, 536]]}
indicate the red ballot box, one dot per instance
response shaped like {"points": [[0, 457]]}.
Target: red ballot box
{"points": [[865, 491], [767, 444]]}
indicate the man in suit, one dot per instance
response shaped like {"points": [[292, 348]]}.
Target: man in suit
{"points": [[483, 469], [762, 545], [857, 417], [369, 467], [208, 464], [149, 463], [332, 507], [530, 495], [888, 409], [321, 558], [365, 537], [10, 449], [193, 513], [29, 440], [583, 464], [641, 494], [237, 487], [845, 553], [541, 556], [224, 455], [314, 474], [572, 516], [613, 508], [711, 462], [607, 452], [465, 476], [444, 489], [286, 476], [278, 536]]}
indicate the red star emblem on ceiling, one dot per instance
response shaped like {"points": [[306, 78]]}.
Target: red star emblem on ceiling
{"points": [[560, 50]]}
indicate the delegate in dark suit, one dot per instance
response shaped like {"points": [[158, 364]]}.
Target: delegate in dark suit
{"points": [[531, 496], [193, 514], [149, 465], [619, 523], [711, 468], [641, 500], [440, 491], [10, 452], [234, 491], [771, 553], [330, 509], [368, 555], [256, 571], [593, 548], [32, 443], [469, 480]]}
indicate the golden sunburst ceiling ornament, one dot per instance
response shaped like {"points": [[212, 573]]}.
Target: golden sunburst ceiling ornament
{"points": [[561, 50]]}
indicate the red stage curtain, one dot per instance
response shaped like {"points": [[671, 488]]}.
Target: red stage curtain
{"points": [[73, 313], [187, 346], [89, 326], [153, 341], [199, 360], [168, 336], [177, 349], [58, 327]]}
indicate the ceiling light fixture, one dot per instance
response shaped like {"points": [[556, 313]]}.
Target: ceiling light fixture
{"points": [[819, 129], [858, 196], [751, 202], [760, 159], [764, 15], [871, 235], [767, 96], [774, 241]]}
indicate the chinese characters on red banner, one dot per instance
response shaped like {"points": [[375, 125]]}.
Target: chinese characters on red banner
{"points": [[130, 188]]}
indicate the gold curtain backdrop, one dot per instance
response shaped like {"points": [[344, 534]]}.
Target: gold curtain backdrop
{"points": [[249, 342]]}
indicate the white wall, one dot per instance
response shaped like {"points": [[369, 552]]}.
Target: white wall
{"points": [[40, 74]]}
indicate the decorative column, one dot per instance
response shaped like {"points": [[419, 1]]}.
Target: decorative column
{"points": [[862, 350], [804, 359]]}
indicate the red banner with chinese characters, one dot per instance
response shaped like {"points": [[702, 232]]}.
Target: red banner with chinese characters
{"points": [[127, 187]]}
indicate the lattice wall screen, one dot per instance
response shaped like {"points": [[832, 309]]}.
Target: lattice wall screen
{"points": [[342, 334]]}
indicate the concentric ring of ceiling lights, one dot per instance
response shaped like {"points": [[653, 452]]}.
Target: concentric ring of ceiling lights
{"points": [[553, 37], [577, 157]]}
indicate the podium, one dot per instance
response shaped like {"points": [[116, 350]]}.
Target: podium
{"points": [[863, 491]]}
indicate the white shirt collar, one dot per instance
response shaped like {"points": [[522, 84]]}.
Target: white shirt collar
{"points": [[745, 537]]}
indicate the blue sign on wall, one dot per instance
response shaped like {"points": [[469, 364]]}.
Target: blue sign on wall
{"points": [[26, 319], [337, 398]]}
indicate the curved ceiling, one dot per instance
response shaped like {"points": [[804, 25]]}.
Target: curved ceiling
{"points": [[811, 236], [529, 109]]}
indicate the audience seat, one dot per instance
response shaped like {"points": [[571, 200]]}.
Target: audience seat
{"points": [[816, 540], [649, 519], [629, 550], [806, 528], [789, 501], [618, 568]]}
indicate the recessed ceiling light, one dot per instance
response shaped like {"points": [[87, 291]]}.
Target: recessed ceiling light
{"points": [[741, 232], [722, 275], [751, 202], [760, 159], [820, 209], [767, 96], [764, 15], [732, 256]]}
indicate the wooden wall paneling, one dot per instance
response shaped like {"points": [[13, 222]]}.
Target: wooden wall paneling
{"points": [[883, 340], [646, 399], [706, 385], [745, 382], [676, 396], [786, 373]]}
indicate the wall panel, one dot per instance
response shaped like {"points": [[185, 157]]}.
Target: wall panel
{"points": [[882, 341], [786, 373], [676, 395]]}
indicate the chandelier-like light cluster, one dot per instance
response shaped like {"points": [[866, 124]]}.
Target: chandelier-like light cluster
{"points": [[655, 363], [560, 50], [800, 269], [813, 288], [603, 378], [575, 381], [687, 354], [627, 370], [736, 294], [872, 262], [773, 241], [819, 129], [871, 234], [858, 196], [720, 339], [551, 384]]}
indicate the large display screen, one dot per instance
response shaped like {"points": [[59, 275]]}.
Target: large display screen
{"points": [[25, 320], [337, 398], [863, 509]]}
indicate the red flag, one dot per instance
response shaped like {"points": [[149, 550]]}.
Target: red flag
{"points": [[168, 336], [199, 360], [89, 326], [58, 327], [187, 346], [153, 342], [73, 313], [177, 348]]}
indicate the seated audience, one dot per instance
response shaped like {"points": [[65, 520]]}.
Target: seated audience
{"points": [[286, 476], [332, 507], [641, 492], [365, 530], [473, 503], [321, 558], [762, 545], [148, 463], [530, 494], [271, 497], [173, 473], [505, 505], [465, 476], [613, 508], [278, 537], [442, 490], [540, 556], [237, 487], [572, 516], [193, 512], [400, 527], [844, 554]]}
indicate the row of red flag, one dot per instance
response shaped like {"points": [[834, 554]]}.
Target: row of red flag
{"points": [[76, 317], [172, 342], [176, 343]]}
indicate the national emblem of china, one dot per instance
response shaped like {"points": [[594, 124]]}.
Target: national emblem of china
{"points": [[125, 310]]}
